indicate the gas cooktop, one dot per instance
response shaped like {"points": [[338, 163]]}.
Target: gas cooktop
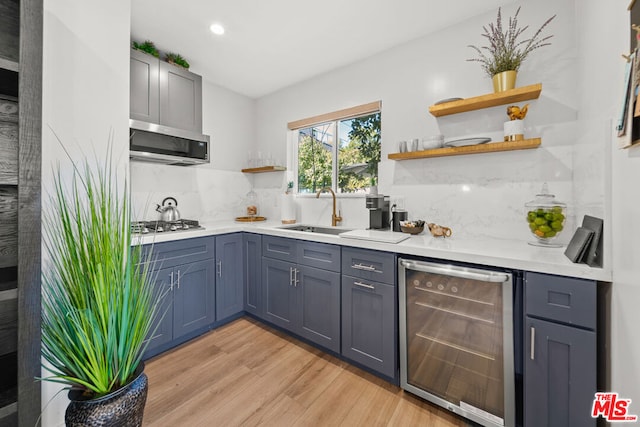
{"points": [[145, 227]]}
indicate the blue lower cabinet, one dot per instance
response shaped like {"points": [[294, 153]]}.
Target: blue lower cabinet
{"points": [[369, 324], [279, 294], [188, 304], [229, 275], [252, 273], [560, 351], [318, 304], [560, 363], [162, 327], [298, 296], [193, 297]]}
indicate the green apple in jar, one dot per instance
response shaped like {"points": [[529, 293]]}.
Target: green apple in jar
{"points": [[546, 217]]}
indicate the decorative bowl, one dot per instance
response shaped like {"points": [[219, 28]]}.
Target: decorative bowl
{"points": [[412, 230], [412, 227]]}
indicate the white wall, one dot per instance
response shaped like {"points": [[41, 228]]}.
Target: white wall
{"points": [[209, 192], [477, 195], [603, 71], [85, 100]]}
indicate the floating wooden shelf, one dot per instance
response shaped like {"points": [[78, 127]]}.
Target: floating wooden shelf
{"points": [[485, 101], [490, 147], [265, 169]]}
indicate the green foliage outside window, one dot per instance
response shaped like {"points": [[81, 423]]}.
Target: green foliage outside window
{"points": [[358, 156]]}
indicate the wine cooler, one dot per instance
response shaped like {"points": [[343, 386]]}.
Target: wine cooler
{"points": [[456, 339]]}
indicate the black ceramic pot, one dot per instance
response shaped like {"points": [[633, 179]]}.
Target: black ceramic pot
{"points": [[122, 408]]}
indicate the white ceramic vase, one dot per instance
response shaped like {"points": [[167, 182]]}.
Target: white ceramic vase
{"points": [[514, 130]]}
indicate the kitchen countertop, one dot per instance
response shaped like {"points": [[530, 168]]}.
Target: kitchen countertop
{"points": [[490, 252]]}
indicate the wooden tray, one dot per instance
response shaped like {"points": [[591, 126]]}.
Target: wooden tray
{"points": [[250, 218]]}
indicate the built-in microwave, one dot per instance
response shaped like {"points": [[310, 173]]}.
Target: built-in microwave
{"points": [[151, 142]]}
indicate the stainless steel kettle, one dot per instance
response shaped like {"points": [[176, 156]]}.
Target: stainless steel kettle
{"points": [[169, 211]]}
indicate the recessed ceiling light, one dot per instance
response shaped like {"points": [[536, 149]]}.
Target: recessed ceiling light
{"points": [[217, 29]]}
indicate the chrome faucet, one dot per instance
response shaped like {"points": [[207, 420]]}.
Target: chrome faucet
{"points": [[335, 219]]}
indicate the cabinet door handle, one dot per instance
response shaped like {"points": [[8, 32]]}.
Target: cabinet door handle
{"points": [[178, 279], [290, 276], [219, 268], [295, 277], [364, 267], [533, 343], [364, 285], [171, 284]]}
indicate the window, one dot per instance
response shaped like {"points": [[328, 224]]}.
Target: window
{"points": [[339, 150]]}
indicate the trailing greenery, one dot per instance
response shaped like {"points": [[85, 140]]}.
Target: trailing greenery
{"points": [[505, 52], [98, 303], [175, 58], [148, 47]]}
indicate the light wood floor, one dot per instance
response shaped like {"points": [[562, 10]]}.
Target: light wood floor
{"points": [[247, 374]]}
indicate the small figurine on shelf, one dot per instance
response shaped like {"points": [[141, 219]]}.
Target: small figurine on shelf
{"points": [[514, 128]]}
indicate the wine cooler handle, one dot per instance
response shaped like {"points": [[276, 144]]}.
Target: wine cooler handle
{"points": [[448, 270], [533, 343]]}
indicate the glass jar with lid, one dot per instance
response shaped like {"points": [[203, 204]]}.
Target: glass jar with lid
{"points": [[252, 203], [546, 218]]}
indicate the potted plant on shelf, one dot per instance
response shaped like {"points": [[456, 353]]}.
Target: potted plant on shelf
{"points": [[176, 59], [147, 47], [98, 301], [504, 55]]}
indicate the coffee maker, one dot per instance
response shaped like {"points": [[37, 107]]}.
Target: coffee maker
{"points": [[378, 206]]}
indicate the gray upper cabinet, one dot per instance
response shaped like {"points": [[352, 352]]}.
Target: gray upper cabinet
{"points": [[144, 88], [163, 93], [252, 277], [180, 98], [560, 357], [229, 271]]}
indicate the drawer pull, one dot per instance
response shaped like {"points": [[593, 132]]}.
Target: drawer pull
{"points": [[364, 285], [533, 343], [364, 267]]}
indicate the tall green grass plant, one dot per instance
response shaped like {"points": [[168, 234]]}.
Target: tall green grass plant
{"points": [[98, 301]]}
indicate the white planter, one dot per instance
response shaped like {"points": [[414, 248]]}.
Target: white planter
{"points": [[514, 130]]}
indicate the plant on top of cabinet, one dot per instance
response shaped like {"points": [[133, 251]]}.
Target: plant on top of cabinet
{"points": [[148, 46], [176, 59], [506, 52]]}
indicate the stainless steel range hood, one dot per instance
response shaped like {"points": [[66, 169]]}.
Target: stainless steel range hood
{"points": [[151, 142]]}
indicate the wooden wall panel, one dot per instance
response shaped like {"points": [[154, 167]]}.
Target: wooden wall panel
{"points": [[8, 226], [9, 29], [29, 220], [8, 142], [8, 325]]}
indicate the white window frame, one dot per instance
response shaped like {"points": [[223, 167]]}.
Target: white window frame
{"points": [[332, 119]]}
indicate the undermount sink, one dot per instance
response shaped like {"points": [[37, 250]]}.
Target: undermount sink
{"points": [[315, 229]]}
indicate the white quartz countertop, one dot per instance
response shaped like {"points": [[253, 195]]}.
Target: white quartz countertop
{"points": [[490, 252]]}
